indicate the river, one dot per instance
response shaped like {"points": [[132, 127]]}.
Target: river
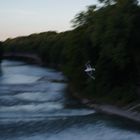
{"points": [[34, 106]]}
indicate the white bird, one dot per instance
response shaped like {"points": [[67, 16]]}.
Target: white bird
{"points": [[89, 70]]}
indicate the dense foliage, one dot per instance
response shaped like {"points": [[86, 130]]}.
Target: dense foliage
{"points": [[108, 36]]}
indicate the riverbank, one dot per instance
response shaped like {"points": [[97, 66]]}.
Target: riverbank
{"points": [[113, 110], [125, 112]]}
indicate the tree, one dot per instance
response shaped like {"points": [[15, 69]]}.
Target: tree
{"points": [[84, 18]]}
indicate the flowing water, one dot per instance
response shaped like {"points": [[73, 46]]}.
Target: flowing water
{"points": [[34, 106]]}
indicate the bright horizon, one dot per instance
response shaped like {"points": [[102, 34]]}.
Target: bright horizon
{"points": [[24, 17]]}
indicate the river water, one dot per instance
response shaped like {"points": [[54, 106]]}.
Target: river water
{"points": [[34, 106]]}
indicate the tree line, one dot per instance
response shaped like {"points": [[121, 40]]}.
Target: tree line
{"points": [[108, 36]]}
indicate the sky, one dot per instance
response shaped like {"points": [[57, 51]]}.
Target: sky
{"points": [[24, 17]]}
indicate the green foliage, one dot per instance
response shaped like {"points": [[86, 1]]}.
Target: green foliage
{"points": [[84, 18], [107, 2]]}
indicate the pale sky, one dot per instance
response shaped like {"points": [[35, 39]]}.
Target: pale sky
{"points": [[23, 17]]}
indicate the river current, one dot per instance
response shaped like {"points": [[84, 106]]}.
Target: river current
{"points": [[34, 106]]}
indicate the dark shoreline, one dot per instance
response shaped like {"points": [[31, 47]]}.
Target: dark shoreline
{"points": [[109, 109]]}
